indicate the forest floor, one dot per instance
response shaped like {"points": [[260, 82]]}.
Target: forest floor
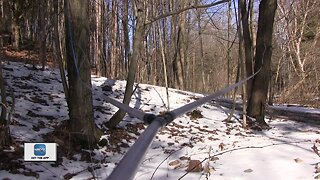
{"points": [[224, 149]]}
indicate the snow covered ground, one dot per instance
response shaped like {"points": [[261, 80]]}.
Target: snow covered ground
{"points": [[226, 150]]}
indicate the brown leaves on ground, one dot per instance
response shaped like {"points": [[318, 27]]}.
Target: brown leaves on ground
{"points": [[26, 55], [195, 114], [11, 163]]}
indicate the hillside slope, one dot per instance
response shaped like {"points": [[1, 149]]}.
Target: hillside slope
{"points": [[225, 150]]}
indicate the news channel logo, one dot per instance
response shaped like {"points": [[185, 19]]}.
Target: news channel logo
{"points": [[40, 151]]}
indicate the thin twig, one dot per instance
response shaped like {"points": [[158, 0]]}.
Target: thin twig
{"points": [[240, 148], [135, 88], [161, 98], [164, 161]]}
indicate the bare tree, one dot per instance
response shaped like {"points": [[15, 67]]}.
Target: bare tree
{"points": [[58, 52], [43, 33], [201, 49], [79, 74], [257, 101], [298, 30], [137, 47], [4, 125], [248, 47]]}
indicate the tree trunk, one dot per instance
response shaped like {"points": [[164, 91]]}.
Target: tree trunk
{"points": [[243, 56], [257, 102], [58, 53], [42, 37], [163, 57], [1, 24], [229, 45], [201, 49], [15, 34], [5, 137], [248, 51], [137, 47], [114, 49], [181, 47], [126, 39], [78, 66], [101, 63]]}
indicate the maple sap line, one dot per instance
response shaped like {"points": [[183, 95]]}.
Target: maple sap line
{"points": [[128, 166]]}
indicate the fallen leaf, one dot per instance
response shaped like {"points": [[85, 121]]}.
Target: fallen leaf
{"points": [[184, 158], [194, 166], [221, 146], [175, 163], [298, 160], [214, 158], [248, 171]]}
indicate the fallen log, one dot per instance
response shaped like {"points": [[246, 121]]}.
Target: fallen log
{"points": [[288, 112]]}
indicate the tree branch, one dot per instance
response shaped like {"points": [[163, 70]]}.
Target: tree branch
{"points": [[184, 9]]}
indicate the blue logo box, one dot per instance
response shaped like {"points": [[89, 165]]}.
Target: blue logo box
{"points": [[39, 149]]}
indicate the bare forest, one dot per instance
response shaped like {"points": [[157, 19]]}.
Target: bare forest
{"points": [[199, 46]]}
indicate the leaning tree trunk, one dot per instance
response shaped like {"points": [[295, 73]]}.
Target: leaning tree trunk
{"points": [[257, 102], [79, 76], [137, 46]]}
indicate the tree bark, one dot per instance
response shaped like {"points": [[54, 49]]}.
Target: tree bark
{"points": [[257, 102], [79, 74]]}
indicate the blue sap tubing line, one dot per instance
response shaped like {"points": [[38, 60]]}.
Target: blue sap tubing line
{"points": [[129, 164]]}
